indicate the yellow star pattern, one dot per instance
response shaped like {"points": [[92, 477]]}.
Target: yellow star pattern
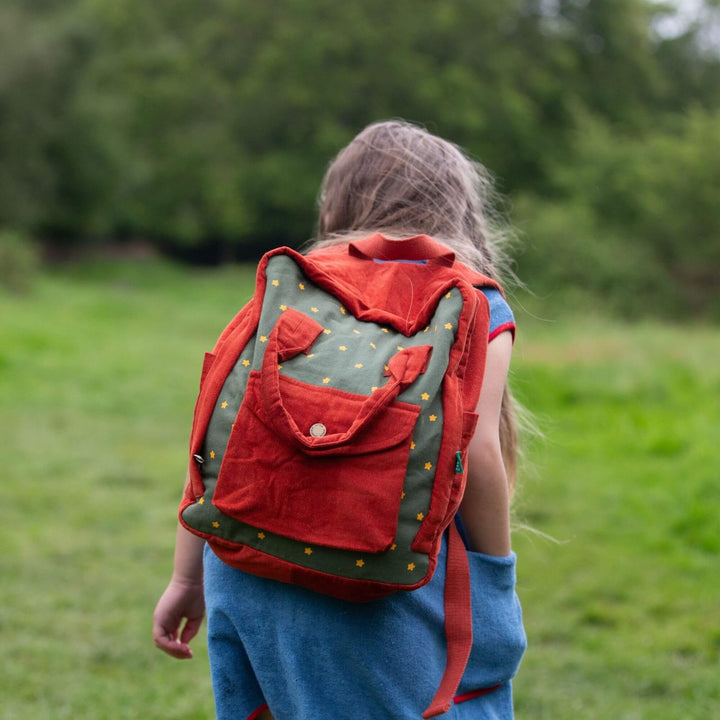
{"points": [[342, 348], [301, 286], [308, 551], [358, 365], [342, 309], [373, 346], [246, 363], [275, 283], [432, 418], [327, 331], [215, 524], [400, 347], [212, 454], [428, 466], [384, 329], [426, 329], [412, 444], [314, 309], [223, 405], [425, 396], [359, 563], [411, 566], [263, 338], [448, 326], [279, 367], [402, 495], [311, 355], [261, 535], [326, 381], [448, 295], [393, 546], [420, 516], [357, 332], [373, 388], [201, 501], [283, 308]]}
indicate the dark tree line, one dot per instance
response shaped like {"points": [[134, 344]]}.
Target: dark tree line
{"points": [[206, 126]]}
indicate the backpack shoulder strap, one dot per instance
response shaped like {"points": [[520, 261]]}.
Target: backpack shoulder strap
{"points": [[458, 623]]}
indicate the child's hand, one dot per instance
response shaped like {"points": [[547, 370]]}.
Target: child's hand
{"points": [[179, 602]]}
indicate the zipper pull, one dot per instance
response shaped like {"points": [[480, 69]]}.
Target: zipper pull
{"points": [[458, 462]]}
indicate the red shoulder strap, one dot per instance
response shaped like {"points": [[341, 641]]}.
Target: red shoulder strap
{"points": [[458, 623]]}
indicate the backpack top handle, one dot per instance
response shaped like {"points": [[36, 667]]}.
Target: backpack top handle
{"points": [[420, 247]]}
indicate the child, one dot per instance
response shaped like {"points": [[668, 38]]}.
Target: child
{"points": [[281, 651]]}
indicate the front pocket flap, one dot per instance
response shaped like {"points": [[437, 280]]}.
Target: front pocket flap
{"points": [[332, 412]]}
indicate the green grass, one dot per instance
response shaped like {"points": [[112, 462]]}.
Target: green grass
{"points": [[98, 371], [621, 613]]}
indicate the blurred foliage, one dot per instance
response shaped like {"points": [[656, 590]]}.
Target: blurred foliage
{"points": [[635, 219], [206, 127], [19, 261]]}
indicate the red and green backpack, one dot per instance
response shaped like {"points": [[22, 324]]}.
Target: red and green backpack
{"points": [[330, 435]]}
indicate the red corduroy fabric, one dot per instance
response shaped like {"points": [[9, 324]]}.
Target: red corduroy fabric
{"points": [[458, 623]]}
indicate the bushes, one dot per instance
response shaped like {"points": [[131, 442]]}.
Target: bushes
{"points": [[636, 220], [570, 260]]}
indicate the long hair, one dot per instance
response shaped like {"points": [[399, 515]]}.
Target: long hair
{"points": [[399, 179]]}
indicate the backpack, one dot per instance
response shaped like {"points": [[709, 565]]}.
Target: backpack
{"points": [[329, 439]]}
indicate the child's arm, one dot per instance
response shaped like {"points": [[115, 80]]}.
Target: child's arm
{"points": [[182, 600], [485, 508]]}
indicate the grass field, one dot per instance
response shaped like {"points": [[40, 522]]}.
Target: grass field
{"points": [[98, 370]]}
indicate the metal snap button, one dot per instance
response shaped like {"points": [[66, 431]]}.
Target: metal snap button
{"points": [[318, 430]]}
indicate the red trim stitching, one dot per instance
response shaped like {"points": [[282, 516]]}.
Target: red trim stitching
{"points": [[474, 693], [501, 329], [256, 713]]}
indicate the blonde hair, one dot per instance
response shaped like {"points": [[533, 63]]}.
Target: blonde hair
{"points": [[399, 179]]}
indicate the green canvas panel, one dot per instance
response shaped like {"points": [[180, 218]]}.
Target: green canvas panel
{"points": [[350, 355]]}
